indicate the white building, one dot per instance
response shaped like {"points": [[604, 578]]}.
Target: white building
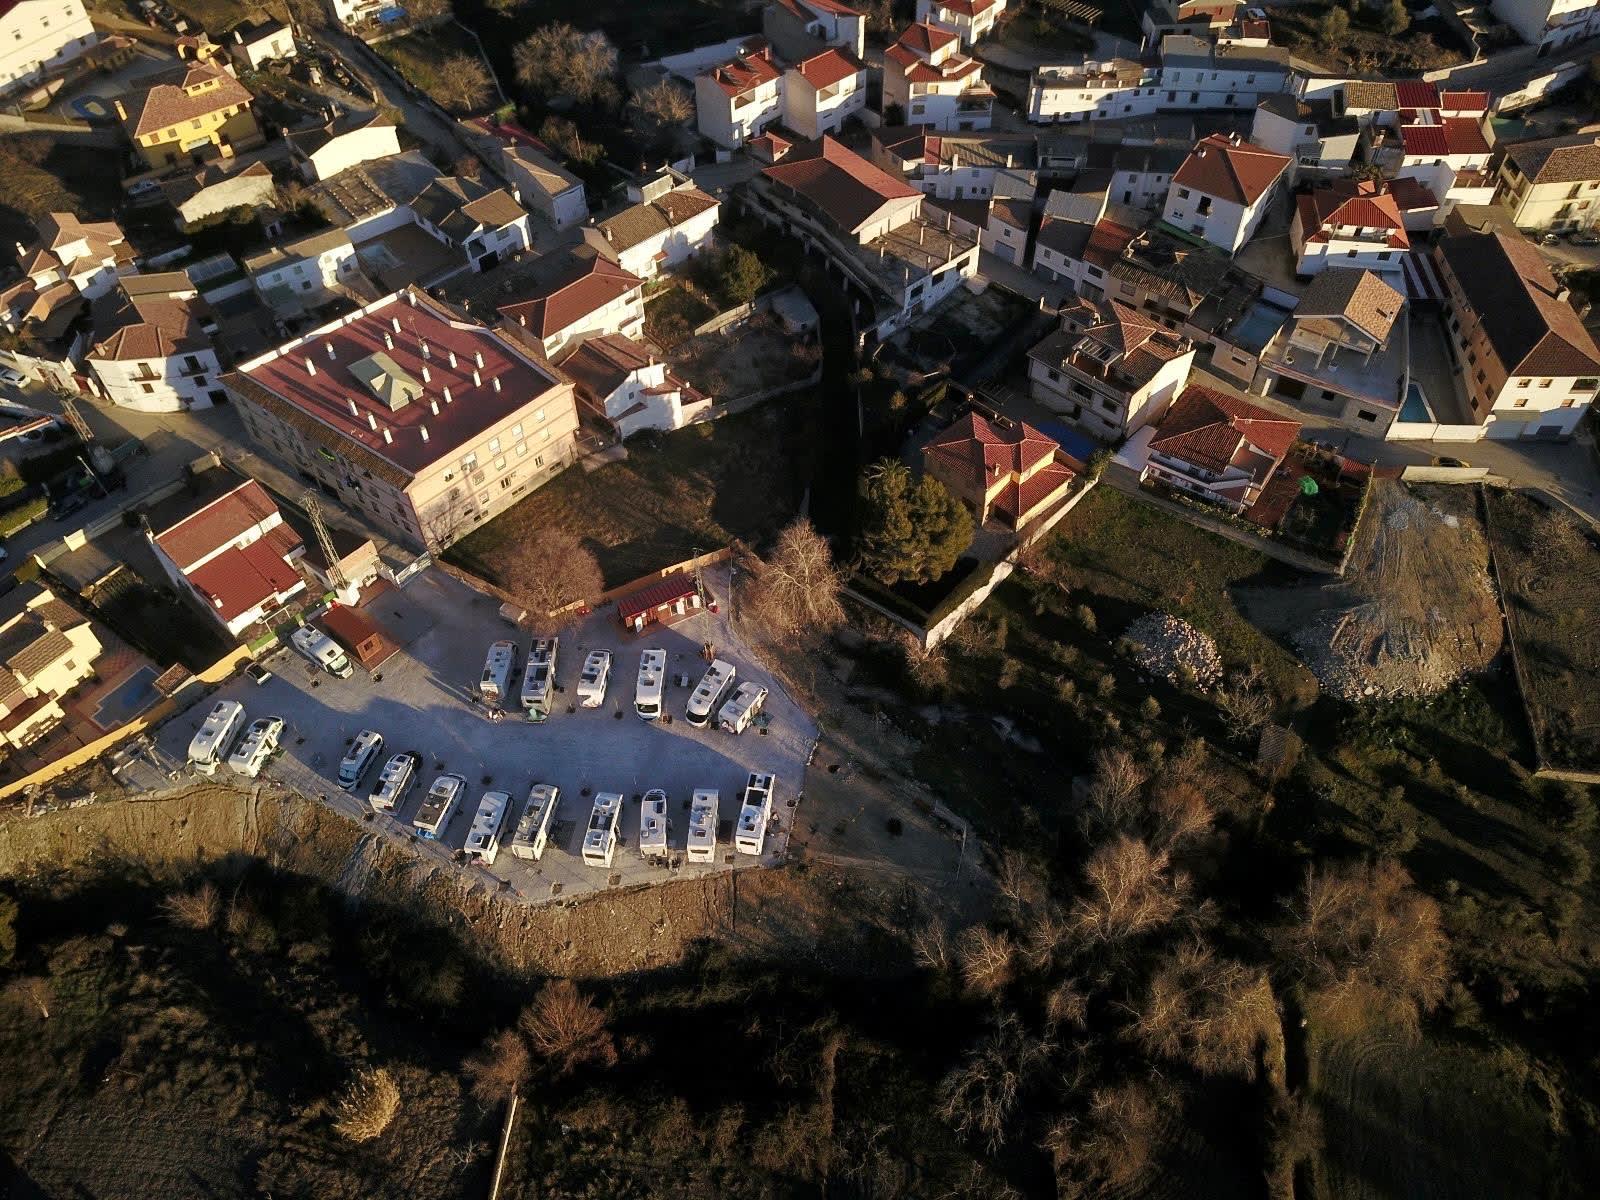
{"points": [[798, 29], [1223, 189], [153, 349], [1005, 233], [304, 274], [933, 83], [1320, 143], [352, 13], [1198, 74], [345, 141], [487, 223], [969, 20], [1552, 183], [36, 36], [736, 101], [672, 221], [1352, 223], [1550, 24], [545, 186], [1089, 91], [621, 381], [90, 255], [258, 38], [591, 297], [823, 92]]}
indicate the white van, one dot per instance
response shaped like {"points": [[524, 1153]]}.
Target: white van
{"points": [[539, 680], [438, 806], [533, 830], [488, 823], [738, 712], [652, 676], [497, 671], [260, 740], [209, 747], [322, 650], [600, 839], [592, 682], [708, 693], [359, 758], [653, 824], [703, 825], [754, 814], [394, 782]]}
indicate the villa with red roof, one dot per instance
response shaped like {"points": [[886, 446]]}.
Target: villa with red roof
{"points": [[425, 422], [1351, 223], [970, 20], [824, 91], [932, 82], [1218, 448], [592, 297], [736, 101], [798, 29], [1223, 189], [1004, 471], [235, 554]]}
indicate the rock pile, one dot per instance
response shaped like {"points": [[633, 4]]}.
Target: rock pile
{"points": [[1174, 650]]}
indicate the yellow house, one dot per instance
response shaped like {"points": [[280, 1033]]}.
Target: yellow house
{"points": [[47, 648], [190, 113]]}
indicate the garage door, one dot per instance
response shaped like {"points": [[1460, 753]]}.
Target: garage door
{"points": [[1005, 253]]}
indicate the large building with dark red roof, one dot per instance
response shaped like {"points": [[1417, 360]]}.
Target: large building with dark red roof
{"points": [[1351, 223], [425, 422], [1007, 472], [1217, 447], [1222, 190]]}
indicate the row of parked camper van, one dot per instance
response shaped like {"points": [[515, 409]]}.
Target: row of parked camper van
{"points": [[218, 741], [495, 809], [715, 698]]}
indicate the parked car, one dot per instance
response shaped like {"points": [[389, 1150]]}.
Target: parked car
{"points": [[1587, 238], [68, 504], [1550, 239], [12, 377], [257, 674], [1444, 460]]}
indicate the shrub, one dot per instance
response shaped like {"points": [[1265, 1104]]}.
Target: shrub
{"points": [[367, 1106], [1086, 618], [194, 910]]}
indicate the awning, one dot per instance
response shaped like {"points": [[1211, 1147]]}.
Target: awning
{"points": [[1422, 278]]}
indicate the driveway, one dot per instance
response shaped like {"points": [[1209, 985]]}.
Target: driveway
{"points": [[421, 701]]}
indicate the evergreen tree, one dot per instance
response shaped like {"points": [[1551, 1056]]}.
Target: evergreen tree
{"points": [[911, 529]]}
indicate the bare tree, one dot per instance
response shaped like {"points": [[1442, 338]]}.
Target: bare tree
{"points": [[367, 1106], [553, 571], [1131, 890], [1109, 1148], [427, 12], [559, 60], [499, 1069], [198, 909], [795, 590], [565, 137], [566, 1029], [1245, 702], [461, 83], [1067, 1003], [659, 106], [981, 1096], [1204, 1011], [1019, 886], [987, 960], [32, 991], [930, 943], [1179, 813], [1113, 800]]}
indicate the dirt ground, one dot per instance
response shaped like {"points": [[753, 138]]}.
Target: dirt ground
{"points": [[752, 358]]}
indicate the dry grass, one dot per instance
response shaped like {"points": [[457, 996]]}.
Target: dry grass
{"points": [[367, 1106]]}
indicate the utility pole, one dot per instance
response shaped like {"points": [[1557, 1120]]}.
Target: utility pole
{"points": [[313, 507]]}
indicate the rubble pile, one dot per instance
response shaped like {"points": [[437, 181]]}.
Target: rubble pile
{"points": [[1174, 650]]}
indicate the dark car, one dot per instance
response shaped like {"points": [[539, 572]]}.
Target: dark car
{"points": [[68, 504]]}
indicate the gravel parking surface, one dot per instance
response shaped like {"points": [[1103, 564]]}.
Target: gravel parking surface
{"points": [[422, 700]]}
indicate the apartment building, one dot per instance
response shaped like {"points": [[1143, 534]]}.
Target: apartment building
{"points": [[154, 349], [425, 422], [1092, 90], [824, 91], [736, 101], [798, 29], [1528, 367], [37, 36], [932, 83], [195, 111], [1108, 369], [1223, 189], [1552, 183]]}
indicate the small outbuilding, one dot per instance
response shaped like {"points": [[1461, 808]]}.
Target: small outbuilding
{"points": [[354, 630], [661, 602]]}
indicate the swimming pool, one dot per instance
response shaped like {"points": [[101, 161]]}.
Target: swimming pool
{"points": [[1416, 406]]}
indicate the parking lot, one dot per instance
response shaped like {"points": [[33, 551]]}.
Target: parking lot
{"points": [[422, 700]]}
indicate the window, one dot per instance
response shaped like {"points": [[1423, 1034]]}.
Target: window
{"points": [[1052, 374], [522, 449], [470, 461], [1586, 385], [1544, 383], [494, 445], [1183, 193], [539, 416], [538, 460], [500, 463], [1520, 402], [516, 431], [1524, 383]]}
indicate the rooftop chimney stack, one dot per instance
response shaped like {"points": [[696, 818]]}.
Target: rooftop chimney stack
{"points": [[448, 398], [496, 383], [424, 433], [477, 357], [311, 367], [477, 379], [328, 346], [452, 358], [388, 438], [388, 340], [372, 422], [427, 375], [395, 321], [433, 407], [427, 351], [354, 411]]}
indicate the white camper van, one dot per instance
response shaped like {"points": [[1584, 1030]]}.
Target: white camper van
{"points": [[600, 839], [703, 825], [433, 818], [751, 835], [210, 745], [488, 823], [359, 758], [533, 830], [395, 782], [652, 677], [322, 650], [653, 824], [592, 682], [738, 712], [539, 680], [708, 693], [497, 670], [260, 740]]}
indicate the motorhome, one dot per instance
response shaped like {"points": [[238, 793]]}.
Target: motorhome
{"points": [[322, 650], [708, 693], [751, 835], [260, 740], [653, 824], [652, 676], [359, 758], [488, 823], [438, 806], [209, 748], [533, 830], [497, 670], [600, 839], [592, 681], [395, 782], [703, 825], [739, 711], [539, 680]]}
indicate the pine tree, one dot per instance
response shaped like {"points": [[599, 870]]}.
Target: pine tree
{"points": [[911, 529]]}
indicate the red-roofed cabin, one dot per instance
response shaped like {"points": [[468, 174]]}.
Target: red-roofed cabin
{"points": [[1006, 471], [355, 631], [660, 603]]}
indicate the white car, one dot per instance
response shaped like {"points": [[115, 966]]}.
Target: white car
{"points": [[12, 377]]}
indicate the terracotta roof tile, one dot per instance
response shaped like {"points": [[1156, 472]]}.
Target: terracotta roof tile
{"points": [[744, 74], [243, 578], [1416, 93], [828, 68], [1574, 159], [216, 523], [984, 451], [1359, 296], [176, 96], [1236, 171], [1206, 428], [846, 187], [590, 285]]}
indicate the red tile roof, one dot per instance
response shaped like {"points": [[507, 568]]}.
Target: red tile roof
{"points": [[1457, 135], [655, 595], [1018, 500], [846, 187], [984, 452], [590, 285], [799, 7], [1416, 93], [925, 38], [1107, 242], [1236, 171], [1472, 102], [967, 8], [215, 524], [1409, 194], [1351, 202], [1207, 429], [173, 98], [355, 631], [745, 73], [242, 579], [828, 68]]}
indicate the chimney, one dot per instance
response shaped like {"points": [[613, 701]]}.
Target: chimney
{"points": [[452, 358], [411, 296], [122, 113], [424, 432], [522, 319], [328, 346], [388, 438], [477, 378], [395, 321], [1563, 294], [427, 351], [495, 382], [433, 407], [427, 375], [372, 422], [311, 367], [477, 357], [448, 398], [388, 340], [354, 411]]}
